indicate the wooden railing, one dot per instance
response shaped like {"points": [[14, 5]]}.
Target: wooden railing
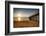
{"points": [[34, 17]]}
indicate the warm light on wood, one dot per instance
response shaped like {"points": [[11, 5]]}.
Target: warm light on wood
{"points": [[19, 19]]}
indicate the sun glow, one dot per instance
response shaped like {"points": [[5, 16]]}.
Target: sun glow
{"points": [[19, 17]]}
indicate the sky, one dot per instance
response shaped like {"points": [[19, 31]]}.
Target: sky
{"points": [[24, 12]]}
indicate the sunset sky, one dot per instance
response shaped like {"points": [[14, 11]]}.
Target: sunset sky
{"points": [[23, 12]]}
